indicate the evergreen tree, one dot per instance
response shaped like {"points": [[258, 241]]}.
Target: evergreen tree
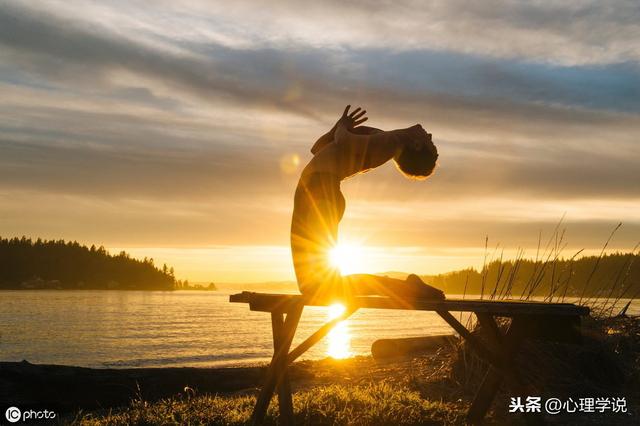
{"points": [[58, 264]]}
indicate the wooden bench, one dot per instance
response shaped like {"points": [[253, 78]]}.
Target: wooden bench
{"points": [[554, 321]]}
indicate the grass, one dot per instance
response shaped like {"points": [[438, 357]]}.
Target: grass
{"points": [[607, 362], [433, 389], [379, 403], [551, 276]]}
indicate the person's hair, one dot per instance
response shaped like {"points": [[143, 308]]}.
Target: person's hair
{"points": [[417, 163]]}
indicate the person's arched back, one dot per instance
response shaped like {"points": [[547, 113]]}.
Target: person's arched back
{"points": [[344, 151]]}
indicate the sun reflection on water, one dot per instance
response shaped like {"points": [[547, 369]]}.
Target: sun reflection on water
{"points": [[339, 338]]}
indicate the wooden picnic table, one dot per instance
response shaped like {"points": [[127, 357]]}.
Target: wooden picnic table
{"points": [[533, 320]]}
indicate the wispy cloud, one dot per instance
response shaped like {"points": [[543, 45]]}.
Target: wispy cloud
{"points": [[119, 109], [568, 32]]}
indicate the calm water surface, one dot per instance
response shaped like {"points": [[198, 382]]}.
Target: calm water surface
{"points": [[182, 328]]}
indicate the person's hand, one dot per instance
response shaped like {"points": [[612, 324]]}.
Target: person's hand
{"points": [[352, 119]]}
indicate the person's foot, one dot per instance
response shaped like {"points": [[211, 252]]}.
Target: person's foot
{"points": [[416, 288]]}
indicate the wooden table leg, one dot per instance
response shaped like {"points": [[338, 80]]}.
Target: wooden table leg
{"points": [[492, 331], [285, 399], [494, 377], [283, 332], [481, 349]]}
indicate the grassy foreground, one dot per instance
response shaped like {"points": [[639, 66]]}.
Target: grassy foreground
{"points": [[431, 388], [380, 404]]}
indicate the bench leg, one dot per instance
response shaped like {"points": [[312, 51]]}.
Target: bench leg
{"points": [[283, 332], [508, 345], [285, 400], [493, 378], [484, 396]]}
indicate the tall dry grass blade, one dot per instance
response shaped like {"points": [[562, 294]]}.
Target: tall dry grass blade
{"points": [[464, 292], [535, 266], [513, 273], [558, 250], [484, 266], [568, 281], [538, 267], [501, 268], [628, 261], [595, 266], [623, 290]]}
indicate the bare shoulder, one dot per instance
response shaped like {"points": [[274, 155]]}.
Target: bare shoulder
{"points": [[325, 161], [366, 130]]}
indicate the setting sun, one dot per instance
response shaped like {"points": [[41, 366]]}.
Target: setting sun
{"points": [[348, 257]]}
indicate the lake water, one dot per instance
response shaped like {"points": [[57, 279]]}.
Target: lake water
{"points": [[121, 329]]}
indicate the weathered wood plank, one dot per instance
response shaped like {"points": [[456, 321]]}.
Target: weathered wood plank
{"points": [[268, 302]]}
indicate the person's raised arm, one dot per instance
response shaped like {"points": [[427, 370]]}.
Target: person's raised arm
{"points": [[349, 120], [366, 147], [323, 141]]}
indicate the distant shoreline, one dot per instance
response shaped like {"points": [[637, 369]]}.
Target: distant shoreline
{"points": [[108, 289]]}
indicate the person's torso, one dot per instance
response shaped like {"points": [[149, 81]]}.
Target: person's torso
{"points": [[318, 208]]}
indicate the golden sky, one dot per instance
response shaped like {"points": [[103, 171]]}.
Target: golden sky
{"points": [[178, 130]]}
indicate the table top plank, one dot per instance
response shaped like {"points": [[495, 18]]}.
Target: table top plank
{"points": [[274, 302]]}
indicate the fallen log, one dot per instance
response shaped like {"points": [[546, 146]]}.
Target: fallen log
{"points": [[389, 348]]}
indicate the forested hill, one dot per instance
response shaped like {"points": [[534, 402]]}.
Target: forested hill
{"points": [[28, 264], [615, 275]]}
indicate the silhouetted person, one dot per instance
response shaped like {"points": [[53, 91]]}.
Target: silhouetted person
{"points": [[346, 150]]}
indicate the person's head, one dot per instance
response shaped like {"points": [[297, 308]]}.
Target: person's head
{"points": [[417, 155]]}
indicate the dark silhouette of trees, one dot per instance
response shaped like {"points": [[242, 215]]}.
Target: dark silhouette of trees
{"points": [[613, 275], [25, 263]]}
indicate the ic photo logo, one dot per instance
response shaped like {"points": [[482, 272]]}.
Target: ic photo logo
{"points": [[13, 414]]}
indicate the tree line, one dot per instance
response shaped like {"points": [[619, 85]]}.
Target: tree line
{"points": [[27, 264], [609, 276]]}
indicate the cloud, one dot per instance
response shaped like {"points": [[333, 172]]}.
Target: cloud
{"points": [[107, 112], [567, 33], [188, 109], [63, 48], [62, 51]]}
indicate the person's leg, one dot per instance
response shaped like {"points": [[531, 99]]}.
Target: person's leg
{"points": [[413, 287], [342, 288]]}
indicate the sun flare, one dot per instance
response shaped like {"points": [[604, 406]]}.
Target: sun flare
{"points": [[339, 338], [348, 258], [335, 310]]}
